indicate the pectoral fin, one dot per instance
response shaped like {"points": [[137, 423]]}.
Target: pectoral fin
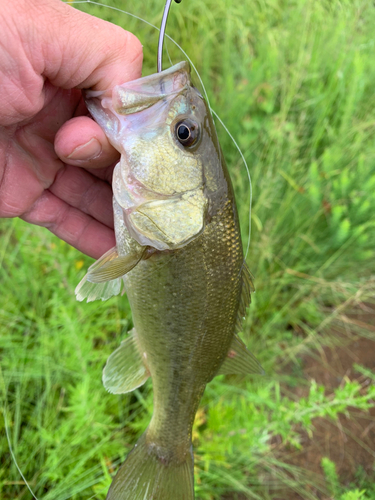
{"points": [[103, 278], [111, 266], [126, 368], [240, 361], [97, 291]]}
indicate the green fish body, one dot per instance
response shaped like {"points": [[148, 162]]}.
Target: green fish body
{"points": [[179, 256]]}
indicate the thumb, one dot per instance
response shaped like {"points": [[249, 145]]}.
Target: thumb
{"points": [[79, 50]]}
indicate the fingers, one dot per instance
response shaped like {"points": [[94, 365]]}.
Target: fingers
{"points": [[66, 49], [84, 191], [83, 51], [71, 225], [81, 142]]}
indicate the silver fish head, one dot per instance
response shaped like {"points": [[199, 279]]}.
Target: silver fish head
{"points": [[171, 167]]}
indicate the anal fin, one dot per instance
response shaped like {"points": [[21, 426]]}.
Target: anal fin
{"points": [[126, 368], [240, 361]]}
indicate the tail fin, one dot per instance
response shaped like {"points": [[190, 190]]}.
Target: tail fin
{"points": [[145, 476]]}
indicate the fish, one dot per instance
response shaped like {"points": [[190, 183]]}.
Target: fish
{"points": [[179, 259]]}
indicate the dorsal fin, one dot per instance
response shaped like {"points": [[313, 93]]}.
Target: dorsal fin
{"points": [[239, 360], [247, 289]]}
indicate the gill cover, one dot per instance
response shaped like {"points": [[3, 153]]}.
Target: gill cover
{"points": [[159, 125]]}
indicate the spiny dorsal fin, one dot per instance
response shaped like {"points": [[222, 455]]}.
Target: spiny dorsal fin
{"points": [[240, 361], [247, 289], [126, 367]]}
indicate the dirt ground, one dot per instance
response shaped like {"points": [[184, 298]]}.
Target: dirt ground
{"points": [[350, 442]]}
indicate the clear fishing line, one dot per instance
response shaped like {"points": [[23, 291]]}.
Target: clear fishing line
{"points": [[74, 2], [247, 171], [12, 453]]}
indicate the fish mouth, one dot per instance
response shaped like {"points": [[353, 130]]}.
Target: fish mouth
{"points": [[170, 223], [110, 107]]}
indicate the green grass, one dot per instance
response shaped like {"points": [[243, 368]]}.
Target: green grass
{"points": [[294, 83]]}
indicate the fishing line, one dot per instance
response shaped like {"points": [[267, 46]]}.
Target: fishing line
{"points": [[13, 455], [73, 2], [247, 171], [208, 103]]}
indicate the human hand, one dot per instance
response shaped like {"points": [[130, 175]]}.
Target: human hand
{"points": [[49, 51]]}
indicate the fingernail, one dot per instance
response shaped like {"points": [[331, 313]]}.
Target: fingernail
{"points": [[88, 151]]}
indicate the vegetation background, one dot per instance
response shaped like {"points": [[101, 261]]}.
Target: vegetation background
{"points": [[294, 82]]}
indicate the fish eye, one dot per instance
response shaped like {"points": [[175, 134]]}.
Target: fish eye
{"points": [[187, 132]]}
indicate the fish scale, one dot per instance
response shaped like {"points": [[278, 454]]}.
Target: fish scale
{"points": [[193, 325], [179, 256]]}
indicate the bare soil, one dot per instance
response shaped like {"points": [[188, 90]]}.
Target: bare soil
{"points": [[349, 442]]}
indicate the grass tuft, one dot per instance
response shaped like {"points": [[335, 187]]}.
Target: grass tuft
{"points": [[293, 82]]}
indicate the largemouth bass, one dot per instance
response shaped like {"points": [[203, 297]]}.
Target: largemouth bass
{"points": [[179, 257]]}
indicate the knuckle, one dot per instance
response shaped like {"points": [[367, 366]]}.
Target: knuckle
{"points": [[8, 210], [135, 46], [91, 196], [129, 46]]}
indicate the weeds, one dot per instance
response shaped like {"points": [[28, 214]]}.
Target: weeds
{"points": [[293, 81]]}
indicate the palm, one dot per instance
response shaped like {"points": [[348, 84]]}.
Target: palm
{"points": [[43, 120]]}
